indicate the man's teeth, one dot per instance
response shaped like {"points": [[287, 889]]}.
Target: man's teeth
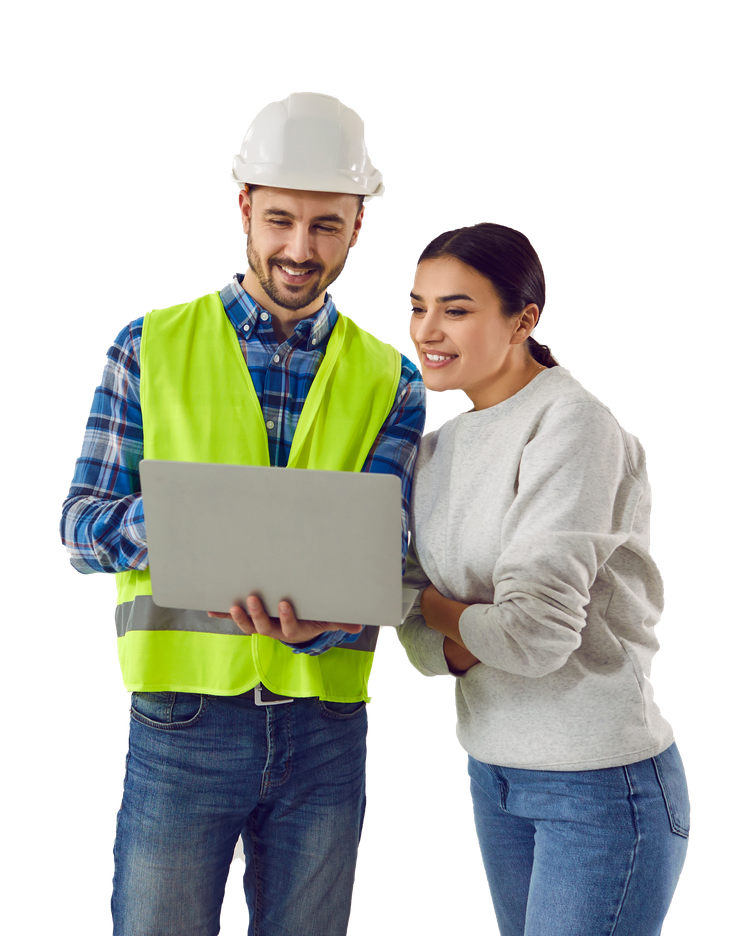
{"points": [[438, 357], [294, 272]]}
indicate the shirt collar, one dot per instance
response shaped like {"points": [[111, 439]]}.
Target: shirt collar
{"points": [[243, 310]]}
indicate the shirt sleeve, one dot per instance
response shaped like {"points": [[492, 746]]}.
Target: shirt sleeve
{"points": [[577, 502], [102, 524], [393, 452]]}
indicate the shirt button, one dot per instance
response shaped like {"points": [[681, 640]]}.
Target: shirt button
{"points": [[264, 316], [314, 341], [270, 424], [276, 359], [246, 328]]}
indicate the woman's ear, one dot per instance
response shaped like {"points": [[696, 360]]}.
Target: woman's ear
{"points": [[526, 323]]}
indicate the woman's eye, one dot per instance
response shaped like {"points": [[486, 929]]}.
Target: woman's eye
{"points": [[452, 313]]}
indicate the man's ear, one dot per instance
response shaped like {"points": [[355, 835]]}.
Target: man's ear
{"points": [[357, 226], [246, 209]]}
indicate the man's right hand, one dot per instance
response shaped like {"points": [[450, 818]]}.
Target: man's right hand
{"points": [[285, 627]]}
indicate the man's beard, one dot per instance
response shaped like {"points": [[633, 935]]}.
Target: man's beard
{"points": [[307, 293]]}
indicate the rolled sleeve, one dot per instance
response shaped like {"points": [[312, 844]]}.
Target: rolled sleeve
{"points": [[102, 524], [576, 504]]}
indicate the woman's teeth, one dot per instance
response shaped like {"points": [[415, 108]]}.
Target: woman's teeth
{"points": [[438, 357]]}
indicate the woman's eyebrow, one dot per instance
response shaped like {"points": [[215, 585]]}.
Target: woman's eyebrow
{"points": [[444, 298]]}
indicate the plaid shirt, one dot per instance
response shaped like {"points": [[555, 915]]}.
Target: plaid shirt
{"points": [[102, 524]]}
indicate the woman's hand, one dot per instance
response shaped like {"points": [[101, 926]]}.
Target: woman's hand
{"points": [[442, 614]]}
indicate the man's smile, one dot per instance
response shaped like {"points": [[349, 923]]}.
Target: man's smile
{"points": [[296, 276]]}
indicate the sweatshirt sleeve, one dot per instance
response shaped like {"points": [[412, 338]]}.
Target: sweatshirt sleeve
{"points": [[576, 503], [423, 646]]}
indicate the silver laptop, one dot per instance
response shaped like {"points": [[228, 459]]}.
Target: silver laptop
{"points": [[327, 541]]}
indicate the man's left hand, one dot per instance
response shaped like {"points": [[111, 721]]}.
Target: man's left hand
{"points": [[285, 627]]}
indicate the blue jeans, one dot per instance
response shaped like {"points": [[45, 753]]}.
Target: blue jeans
{"points": [[582, 853], [203, 770]]}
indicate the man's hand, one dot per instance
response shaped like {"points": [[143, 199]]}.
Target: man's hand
{"points": [[285, 627]]}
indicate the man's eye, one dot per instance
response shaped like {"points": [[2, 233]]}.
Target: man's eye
{"points": [[326, 230]]}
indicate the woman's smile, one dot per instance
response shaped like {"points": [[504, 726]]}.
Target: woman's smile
{"points": [[435, 359], [463, 339]]}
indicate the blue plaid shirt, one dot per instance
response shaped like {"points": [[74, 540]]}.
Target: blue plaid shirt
{"points": [[102, 524]]}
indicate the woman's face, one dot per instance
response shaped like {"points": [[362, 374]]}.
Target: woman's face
{"points": [[463, 340]]}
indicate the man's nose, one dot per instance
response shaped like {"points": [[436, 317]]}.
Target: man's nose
{"points": [[299, 246]]}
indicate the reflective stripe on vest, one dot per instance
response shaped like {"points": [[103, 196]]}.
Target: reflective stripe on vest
{"points": [[189, 415]]}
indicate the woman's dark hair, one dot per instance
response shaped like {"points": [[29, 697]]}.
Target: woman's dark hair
{"points": [[507, 259]]}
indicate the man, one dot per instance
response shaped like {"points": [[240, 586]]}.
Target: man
{"points": [[215, 754]]}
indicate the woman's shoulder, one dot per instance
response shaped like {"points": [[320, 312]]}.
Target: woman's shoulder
{"points": [[560, 393], [552, 396], [570, 408]]}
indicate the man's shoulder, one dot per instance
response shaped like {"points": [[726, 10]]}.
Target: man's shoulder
{"points": [[211, 300], [128, 340]]}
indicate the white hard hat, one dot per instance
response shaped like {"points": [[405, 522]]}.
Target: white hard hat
{"points": [[310, 142]]}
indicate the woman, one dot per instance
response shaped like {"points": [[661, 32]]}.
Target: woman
{"points": [[530, 522]]}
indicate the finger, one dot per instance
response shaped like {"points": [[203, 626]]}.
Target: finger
{"points": [[240, 618], [349, 628], [291, 626], [219, 614], [261, 621]]}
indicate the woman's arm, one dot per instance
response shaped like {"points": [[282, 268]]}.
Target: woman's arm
{"points": [[442, 614]]}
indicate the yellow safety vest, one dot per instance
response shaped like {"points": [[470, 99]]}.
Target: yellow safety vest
{"points": [[199, 405]]}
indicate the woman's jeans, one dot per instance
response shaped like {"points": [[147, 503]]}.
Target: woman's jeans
{"points": [[203, 770], [582, 853]]}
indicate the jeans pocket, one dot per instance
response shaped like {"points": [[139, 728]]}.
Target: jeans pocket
{"points": [[673, 784], [167, 711], [340, 709]]}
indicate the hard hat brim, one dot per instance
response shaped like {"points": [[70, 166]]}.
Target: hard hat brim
{"points": [[280, 177]]}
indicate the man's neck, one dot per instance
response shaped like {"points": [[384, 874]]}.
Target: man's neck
{"points": [[284, 321]]}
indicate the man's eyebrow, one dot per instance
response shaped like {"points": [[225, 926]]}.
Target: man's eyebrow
{"points": [[453, 298], [281, 213]]}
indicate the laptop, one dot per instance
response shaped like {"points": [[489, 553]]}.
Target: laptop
{"points": [[327, 541]]}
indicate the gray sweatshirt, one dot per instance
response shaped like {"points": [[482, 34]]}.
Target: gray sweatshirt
{"points": [[536, 513]]}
